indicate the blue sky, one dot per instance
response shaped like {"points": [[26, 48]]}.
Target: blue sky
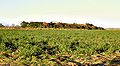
{"points": [[104, 13]]}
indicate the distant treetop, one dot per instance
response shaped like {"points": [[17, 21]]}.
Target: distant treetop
{"points": [[87, 26]]}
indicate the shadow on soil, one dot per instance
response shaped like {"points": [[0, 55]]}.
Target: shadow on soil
{"points": [[71, 62], [113, 62]]}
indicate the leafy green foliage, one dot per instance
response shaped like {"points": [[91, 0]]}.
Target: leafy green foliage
{"points": [[28, 47]]}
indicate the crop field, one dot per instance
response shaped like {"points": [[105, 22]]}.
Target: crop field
{"points": [[59, 47]]}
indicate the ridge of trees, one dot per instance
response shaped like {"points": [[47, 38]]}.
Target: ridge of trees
{"points": [[25, 24], [87, 26], [1, 25]]}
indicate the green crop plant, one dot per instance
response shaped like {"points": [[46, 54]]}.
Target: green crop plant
{"points": [[38, 47]]}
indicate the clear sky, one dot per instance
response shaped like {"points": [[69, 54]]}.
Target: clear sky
{"points": [[104, 13]]}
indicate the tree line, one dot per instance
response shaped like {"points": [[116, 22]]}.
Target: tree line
{"points": [[25, 24], [59, 25]]}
